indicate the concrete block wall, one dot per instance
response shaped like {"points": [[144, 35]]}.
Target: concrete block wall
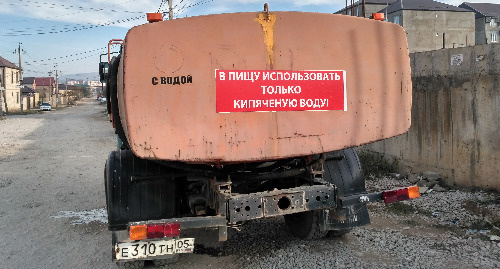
{"points": [[455, 117]]}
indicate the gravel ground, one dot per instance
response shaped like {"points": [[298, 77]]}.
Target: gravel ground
{"points": [[52, 215]]}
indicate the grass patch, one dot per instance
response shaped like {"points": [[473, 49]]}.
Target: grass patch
{"points": [[475, 208], [376, 164]]}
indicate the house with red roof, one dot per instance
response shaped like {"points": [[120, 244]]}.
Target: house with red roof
{"points": [[45, 86]]}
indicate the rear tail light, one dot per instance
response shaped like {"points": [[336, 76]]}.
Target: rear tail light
{"points": [[400, 194], [150, 231], [156, 231], [172, 229]]}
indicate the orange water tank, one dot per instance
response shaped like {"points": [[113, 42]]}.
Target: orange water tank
{"points": [[262, 86]]}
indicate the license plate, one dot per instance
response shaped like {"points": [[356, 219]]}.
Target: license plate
{"points": [[145, 249]]}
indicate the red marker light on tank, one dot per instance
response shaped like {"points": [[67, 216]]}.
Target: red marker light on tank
{"points": [[154, 17]]}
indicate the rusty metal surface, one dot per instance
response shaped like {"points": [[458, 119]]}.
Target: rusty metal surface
{"points": [[243, 207], [179, 122]]}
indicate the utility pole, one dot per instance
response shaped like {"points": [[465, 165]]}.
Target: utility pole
{"points": [[57, 90], [170, 10], [4, 94], [1, 106], [1, 91], [66, 92], [20, 67], [20, 76], [50, 87]]}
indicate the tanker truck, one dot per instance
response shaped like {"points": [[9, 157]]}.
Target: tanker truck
{"points": [[224, 119]]}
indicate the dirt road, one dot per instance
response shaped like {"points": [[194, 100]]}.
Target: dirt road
{"points": [[51, 166], [52, 212]]}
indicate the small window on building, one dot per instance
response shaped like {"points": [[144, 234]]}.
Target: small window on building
{"points": [[494, 37], [12, 77], [17, 99], [493, 23], [396, 19]]}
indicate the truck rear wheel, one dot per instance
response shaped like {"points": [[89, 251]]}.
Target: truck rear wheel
{"points": [[305, 224], [343, 169]]}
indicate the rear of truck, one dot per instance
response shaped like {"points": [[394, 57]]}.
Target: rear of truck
{"points": [[228, 118]]}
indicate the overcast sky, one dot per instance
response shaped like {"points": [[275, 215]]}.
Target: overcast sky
{"points": [[70, 35]]}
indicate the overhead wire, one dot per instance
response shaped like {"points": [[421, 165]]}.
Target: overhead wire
{"points": [[65, 30], [71, 55], [74, 13], [63, 6], [161, 5], [202, 2], [79, 27], [67, 27]]}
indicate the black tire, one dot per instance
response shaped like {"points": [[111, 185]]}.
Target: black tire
{"points": [[305, 225], [343, 169], [113, 101]]}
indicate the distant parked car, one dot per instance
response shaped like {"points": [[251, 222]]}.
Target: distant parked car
{"points": [[46, 106], [102, 99]]}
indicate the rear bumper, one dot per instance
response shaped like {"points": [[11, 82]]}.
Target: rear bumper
{"points": [[339, 212]]}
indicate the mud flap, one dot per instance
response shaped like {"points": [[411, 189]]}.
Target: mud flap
{"points": [[344, 218], [137, 190]]}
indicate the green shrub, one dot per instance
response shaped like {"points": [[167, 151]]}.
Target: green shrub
{"points": [[376, 164]]}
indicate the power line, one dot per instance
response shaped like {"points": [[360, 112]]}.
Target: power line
{"points": [[178, 4], [71, 55], [202, 2], [161, 5], [65, 30], [74, 13], [63, 6]]}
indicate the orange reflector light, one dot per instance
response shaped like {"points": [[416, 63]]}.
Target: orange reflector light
{"points": [[413, 192], [138, 232], [154, 17], [172, 229]]}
